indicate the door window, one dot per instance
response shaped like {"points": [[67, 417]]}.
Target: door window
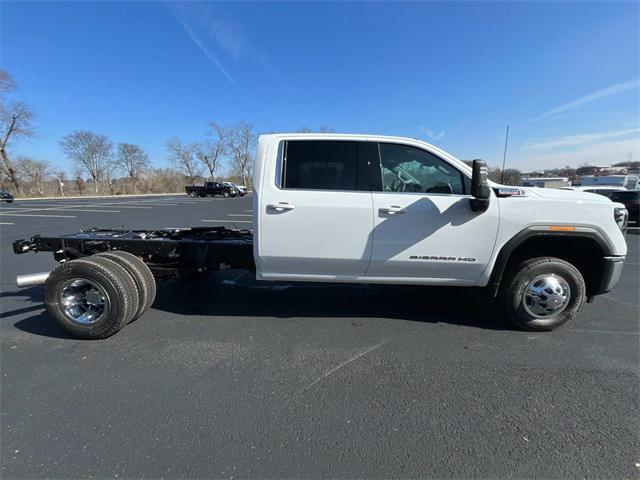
{"points": [[320, 165], [410, 169]]}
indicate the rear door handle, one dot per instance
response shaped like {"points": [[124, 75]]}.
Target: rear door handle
{"points": [[280, 207], [392, 210]]}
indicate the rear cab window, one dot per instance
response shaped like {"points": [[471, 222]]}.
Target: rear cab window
{"points": [[324, 165]]}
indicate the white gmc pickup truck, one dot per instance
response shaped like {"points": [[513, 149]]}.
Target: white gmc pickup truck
{"points": [[357, 209]]}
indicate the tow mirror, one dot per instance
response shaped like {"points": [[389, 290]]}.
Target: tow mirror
{"points": [[480, 188]]}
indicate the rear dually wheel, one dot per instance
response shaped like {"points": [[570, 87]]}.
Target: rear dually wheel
{"points": [[142, 277], [91, 297]]}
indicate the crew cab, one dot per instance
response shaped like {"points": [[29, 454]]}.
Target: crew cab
{"points": [[211, 189], [358, 209]]}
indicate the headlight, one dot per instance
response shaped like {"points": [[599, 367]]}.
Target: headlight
{"points": [[621, 216]]}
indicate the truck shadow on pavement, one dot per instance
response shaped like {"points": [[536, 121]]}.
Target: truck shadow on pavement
{"points": [[243, 296], [38, 324], [238, 294]]}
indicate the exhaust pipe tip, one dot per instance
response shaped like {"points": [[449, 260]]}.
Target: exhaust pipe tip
{"points": [[32, 279]]}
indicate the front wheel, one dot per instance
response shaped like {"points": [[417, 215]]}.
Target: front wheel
{"points": [[225, 194], [194, 194], [542, 293]]}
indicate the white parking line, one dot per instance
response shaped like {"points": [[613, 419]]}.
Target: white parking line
{"points": [[64, 209], [72, 205], [6, 223], [68, 210], [162, 204], [38, 205], [228, 221], [125, 206], [35, 215], [239, 215]]}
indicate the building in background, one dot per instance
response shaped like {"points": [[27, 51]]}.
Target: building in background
{"points": [[545, 182]]}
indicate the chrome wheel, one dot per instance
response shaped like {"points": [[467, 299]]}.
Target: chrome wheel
{"points": [[83, 301], [546, 295]]}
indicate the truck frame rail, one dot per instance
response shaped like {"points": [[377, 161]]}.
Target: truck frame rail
{"points": [[169, 253]]}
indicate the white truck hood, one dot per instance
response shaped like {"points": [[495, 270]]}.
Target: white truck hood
{"points": [[573, 195], [558, 194]]}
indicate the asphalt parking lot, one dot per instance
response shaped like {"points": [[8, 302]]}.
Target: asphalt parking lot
{"points": [[229, 377]]}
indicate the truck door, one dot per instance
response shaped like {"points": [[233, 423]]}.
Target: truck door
{"points": [[424, 228], [316, 212]]}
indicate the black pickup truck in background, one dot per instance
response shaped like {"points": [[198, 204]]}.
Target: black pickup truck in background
{"points": [[211, 189]]}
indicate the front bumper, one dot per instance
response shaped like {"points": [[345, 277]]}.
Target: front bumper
{"points": [[611, 272]]}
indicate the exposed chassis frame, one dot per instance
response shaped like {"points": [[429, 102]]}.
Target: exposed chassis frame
{"points": [[168, 253]]}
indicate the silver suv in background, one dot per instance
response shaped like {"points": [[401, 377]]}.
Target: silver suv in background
{"points": [[239, 189]]}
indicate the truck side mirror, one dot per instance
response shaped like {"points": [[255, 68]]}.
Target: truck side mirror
{"points": [[480, 188]]}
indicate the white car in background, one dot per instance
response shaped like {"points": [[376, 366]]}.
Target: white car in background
{"points": [[605, 190], [240, 189]]}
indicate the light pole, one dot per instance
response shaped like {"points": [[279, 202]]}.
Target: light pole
{"points": [[504, 157]]}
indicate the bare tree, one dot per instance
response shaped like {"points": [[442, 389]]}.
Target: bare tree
{"points": [[133, 160], [90, 151], [79, 181], [7, 83], [59, 175], [109, 173], [239, 141], [511, 176], [184, 158], [209, 153], [162, 180], [35, 172], [15, 122], [322, 129]]}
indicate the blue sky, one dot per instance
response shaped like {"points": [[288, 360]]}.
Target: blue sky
{"points": [[564, 76]]}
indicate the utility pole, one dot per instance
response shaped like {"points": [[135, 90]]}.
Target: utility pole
{"points": [[504, 157]]}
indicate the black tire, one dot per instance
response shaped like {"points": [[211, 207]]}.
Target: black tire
{"points": [[225, 194], [520, 276], [142, 277], [193, 194], [121, 296]]}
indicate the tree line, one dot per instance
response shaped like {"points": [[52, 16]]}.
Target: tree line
{"points": [[101, 166]]}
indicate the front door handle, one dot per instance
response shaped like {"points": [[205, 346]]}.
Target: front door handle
{"points": [[392, 210], [280, 207]]}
